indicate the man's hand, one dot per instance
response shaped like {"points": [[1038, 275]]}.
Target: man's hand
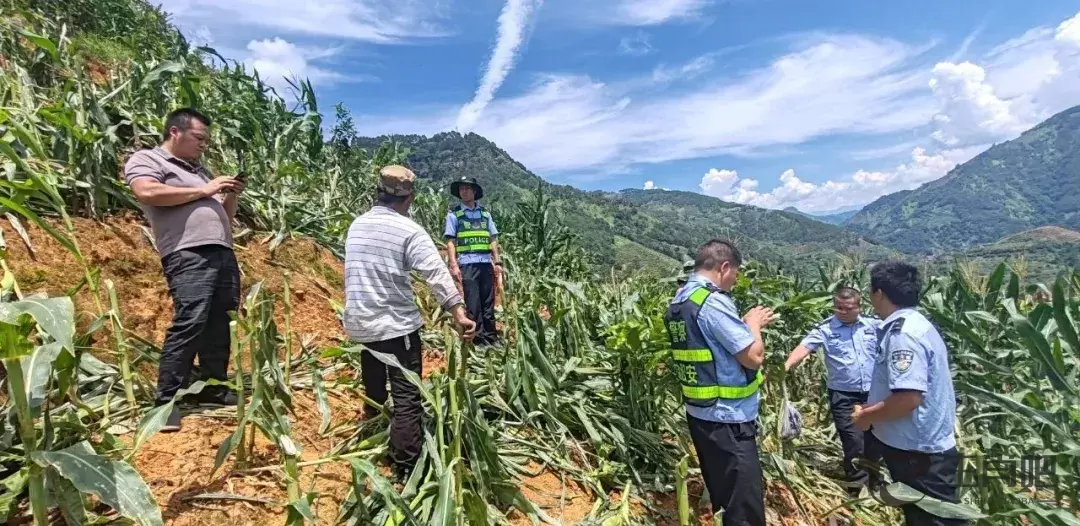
{"points": [[221, 185], [455, 272], [466, 328], [241, 184], [860, 418], [759, 317], [498, 268]]}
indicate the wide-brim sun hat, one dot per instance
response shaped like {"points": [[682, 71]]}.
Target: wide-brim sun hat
{"points": [[455, 187]]}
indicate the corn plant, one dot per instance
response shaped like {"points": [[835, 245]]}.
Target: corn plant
{"points": [[37, 334]]}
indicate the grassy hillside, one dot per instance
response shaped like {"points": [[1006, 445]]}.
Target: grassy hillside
{"points": [[633, 222], [1028, 182], [1039, 254]]}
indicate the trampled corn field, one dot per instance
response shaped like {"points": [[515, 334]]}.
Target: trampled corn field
{"points": [[580, 389]]}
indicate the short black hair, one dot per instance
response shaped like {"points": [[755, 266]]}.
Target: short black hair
{"points": [[181, 118], [388, 199], [899, 281], [847, 293], [714, 253]]}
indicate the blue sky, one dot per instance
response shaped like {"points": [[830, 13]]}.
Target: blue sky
{"points": [[819, 105]]}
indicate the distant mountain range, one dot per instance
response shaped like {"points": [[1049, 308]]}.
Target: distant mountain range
{"points": [[634, 228], [835, 218], [1014, 187]]}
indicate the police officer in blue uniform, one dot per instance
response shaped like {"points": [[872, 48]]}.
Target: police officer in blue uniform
{"points": [[911, 411], [474, 257], [850, 342], [716, 356]]}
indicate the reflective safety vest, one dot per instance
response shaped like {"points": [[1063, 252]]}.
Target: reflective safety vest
{"points": [[473, 235], [692, 359]]}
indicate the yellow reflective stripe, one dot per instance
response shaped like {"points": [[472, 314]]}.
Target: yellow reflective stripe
{"points": [[474, 233], [699, 296], [692, 355], [474, 248], [722, 391]]}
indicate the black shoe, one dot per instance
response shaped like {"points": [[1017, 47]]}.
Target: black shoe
{"points": [[217, 397], [172, 424]]}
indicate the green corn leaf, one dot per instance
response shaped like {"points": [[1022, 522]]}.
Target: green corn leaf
{"points": [[67, 498], [117, 484], [55, 316], [14, 485], [43, 43], [163, 69], [899, 494], [38, 368], [1041, 351], [155, 419], [445, 507], [384, 489], [301, 509], [1065, 324], [320, 398]]}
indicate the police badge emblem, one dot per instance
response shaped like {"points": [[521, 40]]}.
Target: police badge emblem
{"points": [[900, 360]]}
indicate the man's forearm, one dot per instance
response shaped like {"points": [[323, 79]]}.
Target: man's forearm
{"points": [[158, 194], [796, 357], [896, 405], [451, 253], [496, 256], [753, 356], [230, 204]]}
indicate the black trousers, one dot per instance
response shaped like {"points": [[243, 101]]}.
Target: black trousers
{"points": [[405, 432], [934, 474], [204, 283], [478, 284], [841, 403], [728, 455]]}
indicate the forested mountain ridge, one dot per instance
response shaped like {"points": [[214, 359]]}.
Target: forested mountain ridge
{"points": [[1028, 182], [616, 225]]}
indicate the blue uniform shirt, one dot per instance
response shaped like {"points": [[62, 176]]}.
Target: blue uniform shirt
{"points": [[914, 357], [726, 335], [472, 214], [850, 351]]}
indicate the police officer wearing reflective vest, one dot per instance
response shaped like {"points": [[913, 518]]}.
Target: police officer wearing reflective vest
{"points": [[716, 356], [473, 255], [850, 342], [911, 411]]}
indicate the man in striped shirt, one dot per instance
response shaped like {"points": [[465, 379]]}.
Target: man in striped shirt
{"points": [[382, 248]]}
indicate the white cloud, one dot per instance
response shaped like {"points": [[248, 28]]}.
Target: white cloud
{"points": [[829, 85], [277, 59], [862, 187], [970, 111], [1019, 66], [1062, 86], [649, 185], [694, 68], [383, 21], [653, 12], [636, 45], [824, 86], [513, 22]]}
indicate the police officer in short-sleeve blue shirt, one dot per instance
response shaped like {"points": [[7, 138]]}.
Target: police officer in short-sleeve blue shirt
{"points": [[474, 256], [848, 339], [911, 410], [716, 356]]}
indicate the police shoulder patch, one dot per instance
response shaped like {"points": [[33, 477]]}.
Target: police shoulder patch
{"points": [[900, 360]]}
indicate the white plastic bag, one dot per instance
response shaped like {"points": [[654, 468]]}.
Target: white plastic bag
{"points": [[790, 421]]}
